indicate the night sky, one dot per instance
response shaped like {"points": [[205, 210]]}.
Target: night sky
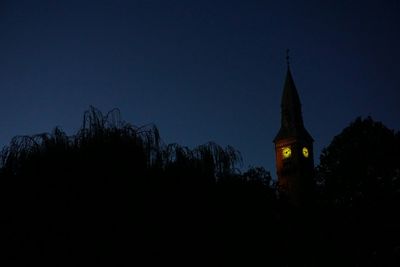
{"points": [[200, 70]]}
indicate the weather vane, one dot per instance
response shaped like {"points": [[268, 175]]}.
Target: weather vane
{"points": [[287, 57]]}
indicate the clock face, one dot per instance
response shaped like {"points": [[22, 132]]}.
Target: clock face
{"points": [[305, 152], [286, 152]]}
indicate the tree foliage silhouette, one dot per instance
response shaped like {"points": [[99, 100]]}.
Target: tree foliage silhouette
{"points": [[362, 165], [110, 191], [116, 193], [359, 180]]}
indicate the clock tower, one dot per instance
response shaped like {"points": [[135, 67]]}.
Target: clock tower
{"points": [[293, 148]]}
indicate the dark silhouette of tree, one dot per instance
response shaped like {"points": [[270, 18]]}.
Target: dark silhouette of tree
{"points": [[116, 194], [362, 165], [359, 181]]}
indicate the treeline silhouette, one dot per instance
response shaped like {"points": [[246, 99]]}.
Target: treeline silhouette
{"points": [[116, 194]]}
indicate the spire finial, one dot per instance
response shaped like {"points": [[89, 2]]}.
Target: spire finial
{"points": [[287, 58]]}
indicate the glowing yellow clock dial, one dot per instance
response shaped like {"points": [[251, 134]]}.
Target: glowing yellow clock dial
{"points": [[286, 152], [305, 152]]}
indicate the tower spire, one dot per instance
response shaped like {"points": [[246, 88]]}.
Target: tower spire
{"points": [[291, 115], [293, 146]]}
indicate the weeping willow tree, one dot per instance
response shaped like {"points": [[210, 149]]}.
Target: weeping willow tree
{"points": [[113, 190], [108, 133]]}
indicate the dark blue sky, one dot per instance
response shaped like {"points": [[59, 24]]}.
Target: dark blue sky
{"points": [[200, 70]]}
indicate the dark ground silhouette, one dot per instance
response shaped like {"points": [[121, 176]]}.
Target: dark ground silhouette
{"points": [[114, 193]]}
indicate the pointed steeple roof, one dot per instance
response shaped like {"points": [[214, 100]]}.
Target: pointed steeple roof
{"points": [[291, 116], [290, 103]]}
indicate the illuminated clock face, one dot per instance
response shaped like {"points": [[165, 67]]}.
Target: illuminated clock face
{"points": [[286, 152], [305, 152]]}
